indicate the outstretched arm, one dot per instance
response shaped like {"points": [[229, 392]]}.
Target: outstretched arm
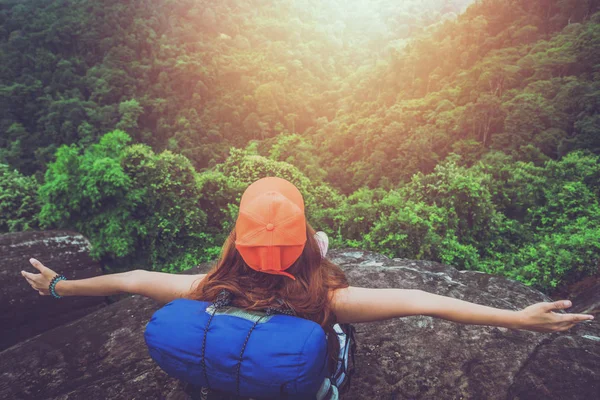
{"points": [[159, 286], [355, 304]]}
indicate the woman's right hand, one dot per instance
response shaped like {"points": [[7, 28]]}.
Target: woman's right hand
{"points": [[39, 282]]}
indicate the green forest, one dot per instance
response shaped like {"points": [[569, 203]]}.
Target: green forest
{"points": [[459, 131]]}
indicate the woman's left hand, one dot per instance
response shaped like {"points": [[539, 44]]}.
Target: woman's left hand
{"points": [[539, 317], [39, 282]]}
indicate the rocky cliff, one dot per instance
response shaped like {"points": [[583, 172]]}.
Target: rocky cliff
{"points": [[23, 312], [103, 356]]}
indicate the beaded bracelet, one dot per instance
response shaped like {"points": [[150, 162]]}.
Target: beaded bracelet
{"points": [[53, 283]]}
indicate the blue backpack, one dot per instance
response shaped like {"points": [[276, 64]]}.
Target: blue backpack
{"points": [[223, 352]]}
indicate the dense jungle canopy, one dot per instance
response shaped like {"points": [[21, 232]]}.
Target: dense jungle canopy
{"points": [[465, 132]]}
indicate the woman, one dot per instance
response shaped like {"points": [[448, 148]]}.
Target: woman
{"points": [[273, 257]]}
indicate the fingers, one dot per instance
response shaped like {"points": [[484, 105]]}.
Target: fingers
{"points": [[583, 317], [557, 305], [562, 304], [29, 276], [568, 321], [576, 317], [567, 327], [32, 279], [38, 265], [34, 284]]}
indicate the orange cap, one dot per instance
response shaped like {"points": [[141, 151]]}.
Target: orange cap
{"points": [[271, 226]]}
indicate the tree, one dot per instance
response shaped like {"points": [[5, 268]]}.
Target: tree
{"points": [[482, 115], [130, 111], [247, 168], [138, 208], [297, 151], [527, 115]]}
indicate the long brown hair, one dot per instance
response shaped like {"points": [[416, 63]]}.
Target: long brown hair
{"points": [[309, 295]]}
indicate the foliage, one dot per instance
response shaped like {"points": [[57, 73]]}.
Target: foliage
{"points": [[138, 208], [195, 76], [19, 204], [557, 210], [419, 129], [247, 168]]}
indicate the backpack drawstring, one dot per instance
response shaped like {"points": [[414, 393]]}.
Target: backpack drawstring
{"points": [[223, 299], [239, 365]]}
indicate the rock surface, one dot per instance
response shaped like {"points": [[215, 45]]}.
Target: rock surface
{"points": [[428, 358], [23, 312], [103, 354], [100, 356], [568, 363], [588, 301]]}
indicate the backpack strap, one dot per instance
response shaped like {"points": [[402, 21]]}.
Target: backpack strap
{"points": [[283, 308], [223, 299], [350, 349]]}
